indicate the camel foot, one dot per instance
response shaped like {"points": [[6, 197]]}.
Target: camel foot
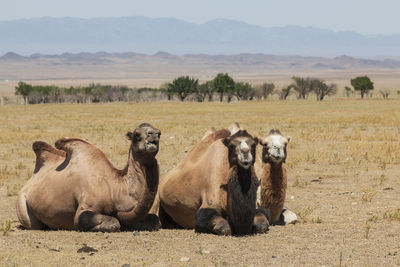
{"points": [[261, 221], [96, 222], [289, 217], [222, 229]]}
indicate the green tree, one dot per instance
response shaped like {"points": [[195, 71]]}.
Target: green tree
{"points": [[183, 86], [267, 89], [24, 90], [347, 90], [284, 92], [223, 84], [362, 84], [205, 90], [302, 86], [321, 89], [243, 91]]}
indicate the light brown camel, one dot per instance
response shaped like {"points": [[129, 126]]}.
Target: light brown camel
{"points": [[214, 187], [271, 169], [75, 187]]}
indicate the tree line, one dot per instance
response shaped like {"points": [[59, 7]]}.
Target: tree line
{"points": [[185, 88]]}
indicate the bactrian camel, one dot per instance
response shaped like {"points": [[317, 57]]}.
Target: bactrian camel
{"points": [[214, 188], [271, 169], [75, 187]]}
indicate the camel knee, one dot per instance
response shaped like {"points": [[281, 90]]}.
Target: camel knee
{"points": [[210, 221], [96, 222]]}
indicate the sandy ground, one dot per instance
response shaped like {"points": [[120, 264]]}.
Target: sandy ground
{"points": [[348, 207]]}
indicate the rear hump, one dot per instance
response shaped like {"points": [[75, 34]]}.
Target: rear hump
{"points": [[45, 153]]}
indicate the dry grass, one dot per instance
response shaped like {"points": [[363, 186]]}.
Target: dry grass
{"points": [[338, 149]]}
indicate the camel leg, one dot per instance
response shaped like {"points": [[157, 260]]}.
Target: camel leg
{"points": [[148, 223], [261, 221], [208, 220], [25, 215], [87, 220], [166, 221]]}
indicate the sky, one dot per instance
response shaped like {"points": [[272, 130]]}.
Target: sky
{"points": [[364, 16]]}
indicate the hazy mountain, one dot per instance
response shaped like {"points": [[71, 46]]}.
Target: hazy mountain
{"points": [[147, 35], [249, 61]]}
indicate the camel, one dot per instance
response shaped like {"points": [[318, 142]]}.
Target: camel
{"points": [[214, 188], [271, 169], [75, 187]]}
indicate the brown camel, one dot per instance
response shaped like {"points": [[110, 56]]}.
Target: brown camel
{"points": [[214, 188], [271, 168], [75, 187]]}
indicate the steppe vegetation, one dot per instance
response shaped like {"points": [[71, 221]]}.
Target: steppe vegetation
{"points": [[343, 182], [183, 88]]}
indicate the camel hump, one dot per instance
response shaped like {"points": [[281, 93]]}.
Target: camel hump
{"points": [[45, 153], [234, 128], [208, 133], [66, 143], [40, 146]]}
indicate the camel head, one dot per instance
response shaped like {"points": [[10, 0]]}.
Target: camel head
{"points": [[274, 147], [242, 149], [145, 139]]}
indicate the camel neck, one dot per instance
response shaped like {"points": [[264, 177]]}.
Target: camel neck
{"points": [[141, 179], [274, 174], [242, 191]]}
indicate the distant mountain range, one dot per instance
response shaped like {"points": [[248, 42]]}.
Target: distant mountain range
{"points": [[147, 35], [257, 61]]}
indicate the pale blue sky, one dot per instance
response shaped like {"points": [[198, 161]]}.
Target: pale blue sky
{"points": [[364, 16]]}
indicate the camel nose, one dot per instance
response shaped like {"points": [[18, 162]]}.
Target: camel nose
{"points": [[153, 135], [244, 147]]}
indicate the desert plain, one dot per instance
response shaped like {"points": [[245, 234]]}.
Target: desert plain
{"points": [[343, 171]]}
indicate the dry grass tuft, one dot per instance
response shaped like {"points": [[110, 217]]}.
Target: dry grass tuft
{"points": [[393, 215], [5, 227], [368, 195]]}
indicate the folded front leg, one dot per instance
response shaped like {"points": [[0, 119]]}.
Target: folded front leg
{"points": [[88, 220], [208, 220]]}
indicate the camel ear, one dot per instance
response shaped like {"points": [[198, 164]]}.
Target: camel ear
{"points": [[288, 139], [129, 135], [226, 141]]}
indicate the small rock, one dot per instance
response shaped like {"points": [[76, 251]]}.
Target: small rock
{"points": [[136, 233], [206, 252], [86, 249], [291, 197], [274, 257], [55, 249], [354, 203], [126, 265], [185, 259]]}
